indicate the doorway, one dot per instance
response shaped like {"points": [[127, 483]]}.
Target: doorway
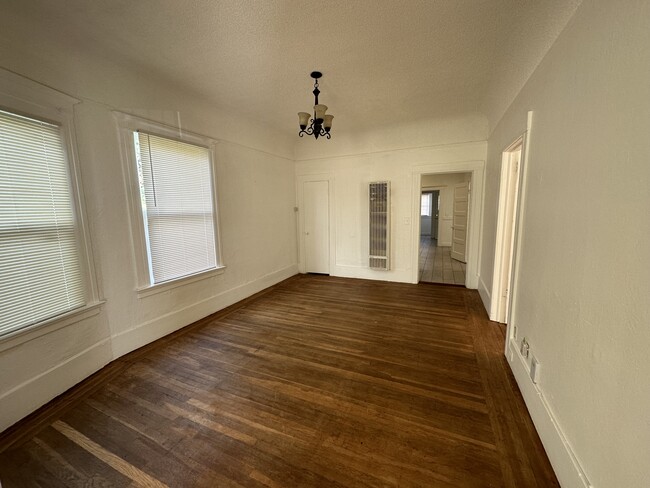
{"points": [[444, 213], [506, 231], [315, 227]]}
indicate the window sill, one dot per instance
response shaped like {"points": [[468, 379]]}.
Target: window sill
{"points": [[146, 291], [17, 337]]}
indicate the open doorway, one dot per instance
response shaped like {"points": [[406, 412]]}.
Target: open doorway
{"points": [[508, 206], [444, 221]]}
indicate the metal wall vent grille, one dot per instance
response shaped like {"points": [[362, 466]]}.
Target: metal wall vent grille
{"points": [[379, 205]]}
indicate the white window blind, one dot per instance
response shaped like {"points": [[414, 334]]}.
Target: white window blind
{"points": [[40, 275], [176, 190]]}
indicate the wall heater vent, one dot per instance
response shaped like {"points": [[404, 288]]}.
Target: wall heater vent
{"points": [[379, 205]]}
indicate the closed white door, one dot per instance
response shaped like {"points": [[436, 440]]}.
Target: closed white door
{"points": [[316, 235], [459, 226]]}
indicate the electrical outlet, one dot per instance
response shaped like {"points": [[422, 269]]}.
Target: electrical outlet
{"points": [[525, 348], [535, 368]]}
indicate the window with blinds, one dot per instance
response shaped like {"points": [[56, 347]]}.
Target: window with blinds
{"points": [[40, 273], [177, 204]]}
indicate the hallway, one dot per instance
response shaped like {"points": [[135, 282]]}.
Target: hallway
{"points": [[436, 265]]}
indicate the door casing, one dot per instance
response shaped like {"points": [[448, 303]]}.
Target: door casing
{"points": [[477, 169]]}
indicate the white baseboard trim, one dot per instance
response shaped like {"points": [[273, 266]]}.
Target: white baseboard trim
{"points": [[136, 337], [485, 294], [347, 271], [23, 399], [564, 461]]}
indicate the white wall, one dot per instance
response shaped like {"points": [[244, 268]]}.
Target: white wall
{"points": [[445, 182], [255, 177], [582, 298], [354, 161]]}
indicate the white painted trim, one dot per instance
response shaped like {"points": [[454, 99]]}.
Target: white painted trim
{"points": [[366, 273], [135, 123], [502, 259], [127, 124], [484, 293], [144, 333], [26, 97], [563, 459], [23, 399], [300, 182], [182, 281], [393, 150], [519, 229], [26, 334], [477, 169]]}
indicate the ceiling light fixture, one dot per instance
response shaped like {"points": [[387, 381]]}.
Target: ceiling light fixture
{"points": [[320, 124]]}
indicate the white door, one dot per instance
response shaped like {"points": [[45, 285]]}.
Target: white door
{"points": [[459, 226], [435, 211], [316, 229], [511, 193]]}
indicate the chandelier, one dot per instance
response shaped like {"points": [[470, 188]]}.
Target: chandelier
{"points": [[321, 123]]}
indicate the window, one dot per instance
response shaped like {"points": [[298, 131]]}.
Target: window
{"points": [[176, 193], [40, 264], [173, 203], [425, 205]]}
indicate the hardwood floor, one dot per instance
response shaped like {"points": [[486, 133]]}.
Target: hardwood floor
{"points": [[436, 264], [316, 382]]}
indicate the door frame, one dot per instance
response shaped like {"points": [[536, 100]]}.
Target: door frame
{"points": [[504, 253], [517, 235], [300, 201], [477, 170]]}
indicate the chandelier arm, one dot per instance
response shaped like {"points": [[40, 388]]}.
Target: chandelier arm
{"points": [[309, 130]]}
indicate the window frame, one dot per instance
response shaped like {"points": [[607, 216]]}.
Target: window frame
{"points": [[22, 96], [128, 124]]}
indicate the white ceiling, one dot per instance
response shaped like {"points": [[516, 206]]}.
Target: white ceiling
{"points": [[383, 61]]}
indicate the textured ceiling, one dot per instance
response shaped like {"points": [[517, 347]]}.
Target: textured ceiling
{"points": [[384, 61]]}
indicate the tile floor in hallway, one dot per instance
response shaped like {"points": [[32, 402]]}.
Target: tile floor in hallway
{"points": [[436, 264]]}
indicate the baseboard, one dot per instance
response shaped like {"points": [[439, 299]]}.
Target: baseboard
{"points": [[23, 399], [485, 295], [136, 337], [564, 461], [444, 244], [395, 275]]}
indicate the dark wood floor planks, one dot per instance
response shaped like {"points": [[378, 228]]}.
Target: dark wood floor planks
{"points": [[316, 382]]}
